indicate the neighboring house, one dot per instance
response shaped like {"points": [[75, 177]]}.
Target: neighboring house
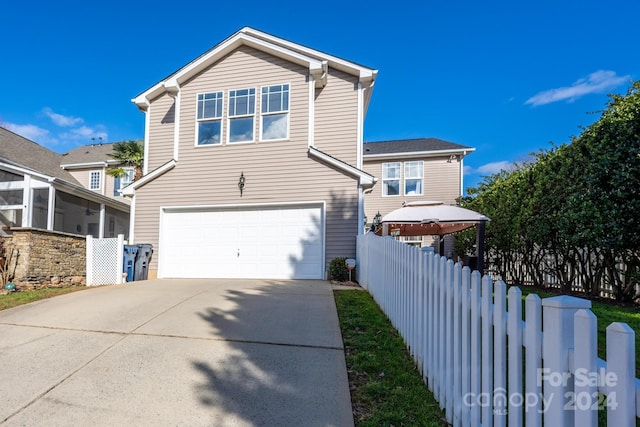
{"points": [[88, 165], [37, 192], [413, 170], [253, 162]]}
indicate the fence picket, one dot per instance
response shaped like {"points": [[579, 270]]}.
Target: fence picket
{"points": [[533, 363], [457, 345], [514, 332], [465, 346], [585, 344], [476, 349], [487, 350], [499, 390], [621, 350]]}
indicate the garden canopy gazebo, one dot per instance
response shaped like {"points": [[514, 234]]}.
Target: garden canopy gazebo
{"points": [[434, 218]]}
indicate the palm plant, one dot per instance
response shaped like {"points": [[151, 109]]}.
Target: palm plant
{"points": [[128, 154]]}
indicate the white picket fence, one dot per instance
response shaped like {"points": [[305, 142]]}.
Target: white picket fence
{"points": [[105, 260], [484, 364]]}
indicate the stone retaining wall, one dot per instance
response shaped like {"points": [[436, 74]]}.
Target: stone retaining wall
{"points": [[47, 259]]}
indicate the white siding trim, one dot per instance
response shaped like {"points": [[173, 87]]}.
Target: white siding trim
{"points": [[147, 126], [132, 218], [312, 107], [176, 126], [360, 126]]}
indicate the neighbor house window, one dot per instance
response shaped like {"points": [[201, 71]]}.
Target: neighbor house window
{"points": [[94, 180], [209, 118], [275, 112], [123, 181], [413, 178], [391, 179], [242, 108]]}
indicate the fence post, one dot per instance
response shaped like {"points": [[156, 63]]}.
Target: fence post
{"points": [[557, 341], [120, 260], [90, 260], [620, 375]]}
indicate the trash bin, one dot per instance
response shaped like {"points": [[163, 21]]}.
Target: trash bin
{"points": [[145, 251], [130, 253]]}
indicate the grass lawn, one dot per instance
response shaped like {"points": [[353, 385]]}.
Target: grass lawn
{"points": [[386, 387], [24, 297]]}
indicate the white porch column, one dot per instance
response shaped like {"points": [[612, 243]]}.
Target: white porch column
{"points": [[26, 202], [51, 209]]}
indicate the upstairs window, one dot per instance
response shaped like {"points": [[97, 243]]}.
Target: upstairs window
{"points": [[94, 180], [413, 172], [391, 179], [242, 108], [209, 118], [275, 112]]}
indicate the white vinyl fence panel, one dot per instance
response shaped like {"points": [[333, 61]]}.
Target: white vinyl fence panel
{"points": [[105, 261], [484, 363]]}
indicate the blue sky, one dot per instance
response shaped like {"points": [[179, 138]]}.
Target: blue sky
{"points": [[505, 77]]}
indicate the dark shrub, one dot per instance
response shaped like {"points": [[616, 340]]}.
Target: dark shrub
{"points": [[338, 269]]}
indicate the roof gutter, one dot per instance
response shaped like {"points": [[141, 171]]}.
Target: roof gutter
{"points": [[434, 153], [88, 194], [366, 180], [130, 189]]}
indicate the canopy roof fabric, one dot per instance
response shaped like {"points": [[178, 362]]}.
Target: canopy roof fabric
{"points": [[429, 218]]}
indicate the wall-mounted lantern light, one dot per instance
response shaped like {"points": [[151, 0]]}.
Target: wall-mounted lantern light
{"points": [[377, 220], [241, 183]]}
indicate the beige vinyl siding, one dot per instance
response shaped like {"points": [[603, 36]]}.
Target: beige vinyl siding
{"points": [[441, 181], [161, 130], [83, 176], [336, 117], [275, 171]]}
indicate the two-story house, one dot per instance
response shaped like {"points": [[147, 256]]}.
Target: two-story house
{"points": [[43, 190], [253, 162], [412, 170]]}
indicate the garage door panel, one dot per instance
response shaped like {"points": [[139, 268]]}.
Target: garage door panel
{"points": [[249, 243]]}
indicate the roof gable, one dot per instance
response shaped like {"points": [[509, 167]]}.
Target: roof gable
{"points": [[317, 62]]}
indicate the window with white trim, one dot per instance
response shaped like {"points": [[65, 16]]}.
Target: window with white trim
{"points": [[274, 112], [209, 118], [124, 180], [94, 180], [242, 108], [391, 179], [413, 173]]}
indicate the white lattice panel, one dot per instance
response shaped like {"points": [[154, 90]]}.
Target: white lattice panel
{"points": [[104, 261]]}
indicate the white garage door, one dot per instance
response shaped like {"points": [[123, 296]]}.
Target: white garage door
{"points": [[260, 242]]}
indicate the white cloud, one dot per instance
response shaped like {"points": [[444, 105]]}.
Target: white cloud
{"points": [[84, 134], [60, 120], [488, 168], [599, 82], [32, 132]]}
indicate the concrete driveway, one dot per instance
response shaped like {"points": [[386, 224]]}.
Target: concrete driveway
{"points": [[179, 353]]}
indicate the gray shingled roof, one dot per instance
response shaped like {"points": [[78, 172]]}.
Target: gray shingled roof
{"points": [[411, 146], [20, 151], [88, 154]]}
